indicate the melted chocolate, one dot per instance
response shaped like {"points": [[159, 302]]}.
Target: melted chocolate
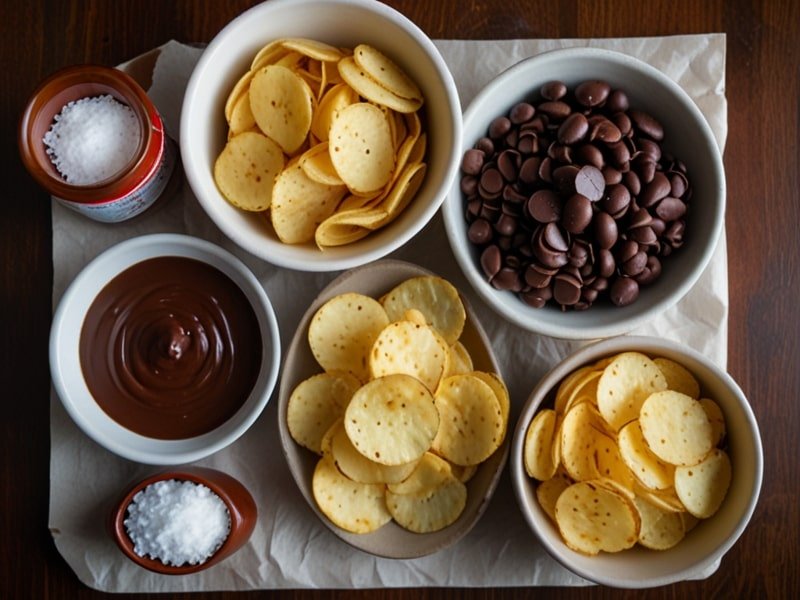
{"points": [[170, 348]]}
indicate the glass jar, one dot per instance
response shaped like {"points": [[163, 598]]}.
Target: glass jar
{"points": [[135, 187]]}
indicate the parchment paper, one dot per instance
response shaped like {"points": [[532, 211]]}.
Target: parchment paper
{"points": [[290, 548]]}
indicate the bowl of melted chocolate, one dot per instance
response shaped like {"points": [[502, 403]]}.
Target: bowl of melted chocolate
{"points": [[164, 349]]}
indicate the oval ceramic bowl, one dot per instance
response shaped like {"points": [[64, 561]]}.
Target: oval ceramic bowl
{"points": [[687, 136], [391, 540], [241, 509], [66, 370], [711, 538], [344, 23]]}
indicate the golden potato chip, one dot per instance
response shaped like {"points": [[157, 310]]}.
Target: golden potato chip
{"points": [[385, 72], [592, 518], [342, 332], [499, 388], [405, 347], [392, 420], [417, 152], [579, 432], [425, 512], [678, 377], [615, 486], [246, 169], [355, 507], [471, 426], [242, 118], [537, 454], [434, 297], [624, 385], [373, 91], [330, 73], [646, 466], [702, 487], [282, 106], [676, 428], [358, 467], [403, 191], [548, 491], [460, 360], [415, 316], [610, 463], [300, 204], [241, 86], [316, 164], [361, 147], [566, 387], [660, 529], [330, 105], [315, 404], [291, 60], [666, 499], [268, 55], [689, 521], [430, 472], [716, 418], [330, 234], [464, 473], [313, 48], [327, 438]]}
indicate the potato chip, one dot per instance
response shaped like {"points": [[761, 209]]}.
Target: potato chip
{"points": [[624, 385], [566, 387], [405, 347], [313, 48], [660, 529], [358, 467], [385, 72], [579, 431], [676, 428], [667, 500], [592, 518], [342, 332], [648, 468], [430, 472], [464, 473], [392, 420], [355, 507], [426, 512], [471, 426], [330, 105], [537, 454], [678, 377], [434, 297], [716, 418], [315, 404], [460, 360], [548, 491], [585, 390], [403, 191], [246, 169], [327, 438], [330, 234], [373, 91], [689, 521], [702, 487], [417, 152], [361, 147], [615, 486], [610, 463], [241, 86], [242, 118], [500, 390], [269, 55], [300, 204], [316, 164], [282, 106]]}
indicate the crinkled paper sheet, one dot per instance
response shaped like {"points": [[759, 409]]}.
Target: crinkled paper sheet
{"points": [[290, 548]]}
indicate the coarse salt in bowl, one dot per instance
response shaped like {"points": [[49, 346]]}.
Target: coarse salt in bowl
{"points": [[687, 136], [70, 382], [342, 23], [711, 538]]}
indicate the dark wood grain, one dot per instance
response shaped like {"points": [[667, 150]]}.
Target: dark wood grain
{"points": [[761, 159]]}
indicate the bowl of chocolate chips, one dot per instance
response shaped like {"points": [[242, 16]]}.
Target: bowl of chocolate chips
{"points": [[591, 195]]}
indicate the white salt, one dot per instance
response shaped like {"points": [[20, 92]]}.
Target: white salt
{"points": [[92, 139], [177, 522]]}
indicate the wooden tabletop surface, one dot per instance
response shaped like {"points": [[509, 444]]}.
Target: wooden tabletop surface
{"points": [[761, 161]]}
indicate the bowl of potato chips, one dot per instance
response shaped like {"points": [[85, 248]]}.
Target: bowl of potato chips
{"points": [[637, 462], [393, 414], [320, 135]]}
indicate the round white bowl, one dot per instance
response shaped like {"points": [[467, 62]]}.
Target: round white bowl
{"points": [[687, 136], [65, 367], [344, 23], [711, 538]]}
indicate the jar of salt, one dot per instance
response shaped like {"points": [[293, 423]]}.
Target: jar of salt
{"points": [[94, 140]]}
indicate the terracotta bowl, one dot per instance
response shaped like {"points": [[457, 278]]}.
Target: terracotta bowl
{"points": [[241, 507]]}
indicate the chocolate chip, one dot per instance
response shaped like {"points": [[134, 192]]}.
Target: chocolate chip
{"points": [[624, 291], [592, 93], [645, 123], [670, 209], [590, 182], [577, 214], [573, 129], [605, 230], [555, 109], [479, 232], [617, 102], [472, 162], [499, 127], [521, 112], [491, 259], [553, 90]]}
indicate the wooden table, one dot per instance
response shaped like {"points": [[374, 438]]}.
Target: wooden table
{"points": [[761, 160]]}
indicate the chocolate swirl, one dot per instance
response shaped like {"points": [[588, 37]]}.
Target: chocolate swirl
{"points": [[170, 348]]}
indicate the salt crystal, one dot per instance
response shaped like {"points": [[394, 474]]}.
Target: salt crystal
{"points": [[92, 139], [177, 522]]}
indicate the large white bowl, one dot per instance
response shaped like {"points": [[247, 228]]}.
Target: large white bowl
{"points": [[344, 23], [687, 136], [711, 538], [65, 367]]}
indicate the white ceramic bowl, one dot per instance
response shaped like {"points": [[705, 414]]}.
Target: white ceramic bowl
{"points": [[687, 136], [391, 540], [65, 367], [711, 538], [343, 23]]}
